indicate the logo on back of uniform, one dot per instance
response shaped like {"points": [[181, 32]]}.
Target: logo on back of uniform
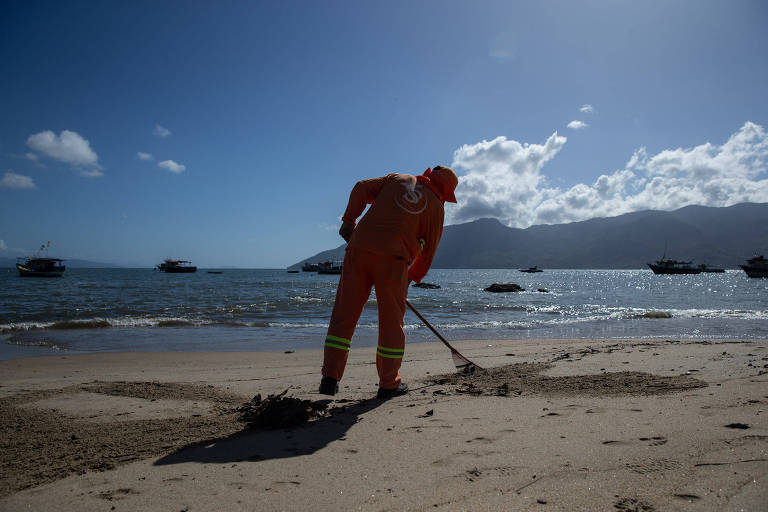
{"points": [[413, 200]]}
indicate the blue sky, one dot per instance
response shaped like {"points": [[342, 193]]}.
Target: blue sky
{"points": [[230, 133]]}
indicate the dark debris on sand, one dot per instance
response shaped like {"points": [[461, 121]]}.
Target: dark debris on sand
{"points": [[279, 411], [516, 379]]}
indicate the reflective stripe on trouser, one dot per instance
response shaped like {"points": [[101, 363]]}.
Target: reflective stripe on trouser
{"points": [[363, 270]]}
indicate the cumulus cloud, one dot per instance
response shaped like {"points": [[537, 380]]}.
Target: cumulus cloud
{"points": [[708, 174], [68, 147], [587, 108], [502, 178], [143, 156], [577, 125], [170, 165], [2, 244], [13, 180], [161, 132]]}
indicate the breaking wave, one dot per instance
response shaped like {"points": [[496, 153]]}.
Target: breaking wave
{"points": [[102, 323]]}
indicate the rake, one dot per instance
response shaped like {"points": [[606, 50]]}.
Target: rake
{"points": [[462, 364]]}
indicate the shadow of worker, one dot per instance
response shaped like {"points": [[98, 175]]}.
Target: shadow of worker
{"points": [[260, 444]]}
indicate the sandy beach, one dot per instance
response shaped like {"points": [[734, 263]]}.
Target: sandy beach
{"points": [[627, 425]]}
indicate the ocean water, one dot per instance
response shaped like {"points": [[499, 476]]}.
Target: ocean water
{"points": [[99, 310]]}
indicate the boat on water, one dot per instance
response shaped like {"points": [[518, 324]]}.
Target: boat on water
{"points": [[34, 266], [40, 265], [177, 267], [330, 267], [669, 266], [756, 267], [309, 267], [664, 266], [531, 270]]}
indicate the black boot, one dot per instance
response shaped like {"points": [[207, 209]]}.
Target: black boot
{"points": [[386, 394], [329, 386]]}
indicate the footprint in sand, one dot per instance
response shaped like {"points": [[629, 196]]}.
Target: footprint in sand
{"points": [[117, 494], [464, 454], [498, 471], [613, 442], [654, 466], [484, 440], [654, 441], [633, 505], [687, 497]]}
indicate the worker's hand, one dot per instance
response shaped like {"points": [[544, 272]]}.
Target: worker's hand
{"points": [[346, 230]]}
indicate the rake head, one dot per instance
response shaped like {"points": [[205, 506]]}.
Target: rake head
{"points": [[462, 364]]}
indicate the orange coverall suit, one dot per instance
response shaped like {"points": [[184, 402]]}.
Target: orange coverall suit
{"points": [[395, 241]]}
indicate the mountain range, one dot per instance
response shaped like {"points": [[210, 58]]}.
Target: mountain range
{"points": [[716, 236]]}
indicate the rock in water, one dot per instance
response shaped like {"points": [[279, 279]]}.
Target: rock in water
{"points": [[426, 285], [506, 287]]}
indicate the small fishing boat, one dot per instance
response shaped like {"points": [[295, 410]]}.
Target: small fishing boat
{"points": [[330, 267], [756, 267], [531, 270], [177, 267], [40, 267], [663, 266], [670, 266]]}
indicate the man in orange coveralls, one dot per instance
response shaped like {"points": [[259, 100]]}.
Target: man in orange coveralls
{"points": [[393, 244]]}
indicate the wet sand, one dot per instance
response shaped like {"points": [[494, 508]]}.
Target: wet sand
{"points": [[630, 425]]}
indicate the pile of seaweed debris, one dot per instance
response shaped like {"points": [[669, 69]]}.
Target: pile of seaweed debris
{"points": [[279, 411]]}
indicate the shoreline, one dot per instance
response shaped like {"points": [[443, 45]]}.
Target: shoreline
{"points": [[601, 423], [34, 343]]}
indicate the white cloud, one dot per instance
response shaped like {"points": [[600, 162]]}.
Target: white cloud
{"points": [[577, 125], [172, 166], [13, 180], [32, 156], [2, 244], [502, 178], [68, 147], [161, 132], [143, 156], [708, 174], [587, 108]]}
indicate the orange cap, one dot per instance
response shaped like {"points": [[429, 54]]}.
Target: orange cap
{"points": [[446, 180]]}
